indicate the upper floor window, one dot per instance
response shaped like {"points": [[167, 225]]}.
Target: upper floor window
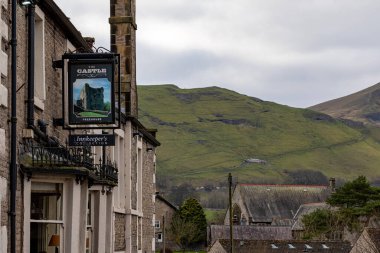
{"points": [[157, 224], [39, 59]]}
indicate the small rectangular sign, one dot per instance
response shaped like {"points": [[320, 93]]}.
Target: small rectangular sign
{"points": [[92, 140]]}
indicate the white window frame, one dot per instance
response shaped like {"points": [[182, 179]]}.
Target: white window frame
{"points": [[39, 59], [159, 237], [139, 154], [27, 212], [157, 224]]}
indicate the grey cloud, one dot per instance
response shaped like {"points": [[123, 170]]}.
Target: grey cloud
{"points": [[295, 52], [297, 85]]}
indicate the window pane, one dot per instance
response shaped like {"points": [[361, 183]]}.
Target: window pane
{"points": [[44, 237], [46, 201]]}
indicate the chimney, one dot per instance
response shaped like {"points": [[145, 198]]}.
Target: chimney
{"points": [[90, 41], [123, 42], [332, 184]]}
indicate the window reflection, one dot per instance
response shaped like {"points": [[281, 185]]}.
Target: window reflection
{"points": [[46, 217]]}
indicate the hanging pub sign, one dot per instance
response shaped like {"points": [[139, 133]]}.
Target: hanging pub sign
{"points": [[91, 92], [92, 140]]}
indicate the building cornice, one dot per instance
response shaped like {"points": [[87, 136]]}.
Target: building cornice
{"points": [[147, 135]]}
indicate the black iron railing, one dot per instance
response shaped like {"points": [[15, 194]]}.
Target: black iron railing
{"points": [[56, 157], [106, 172], [61, 156]]}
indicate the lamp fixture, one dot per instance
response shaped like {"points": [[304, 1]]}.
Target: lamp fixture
{"points": [[26, 2], [54, 240]]}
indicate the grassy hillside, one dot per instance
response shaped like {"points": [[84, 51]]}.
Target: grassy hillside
{"points": [[362, 106], [206, 133]]}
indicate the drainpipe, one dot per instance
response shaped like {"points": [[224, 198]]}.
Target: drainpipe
{"points": [[230, 206], [13, 166], [30, 101]]}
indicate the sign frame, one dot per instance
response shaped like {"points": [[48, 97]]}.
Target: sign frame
{"points": [[71, 61], [103, 80]]}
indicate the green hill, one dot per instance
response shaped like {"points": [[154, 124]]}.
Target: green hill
{"points": [[206, 133]]}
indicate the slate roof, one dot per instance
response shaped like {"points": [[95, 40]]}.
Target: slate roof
{"points": [[266, 203], [306, 209], [158, 196], [374, 234], [290, 246], [246, 232]]}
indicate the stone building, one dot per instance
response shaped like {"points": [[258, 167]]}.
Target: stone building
{"points": [[368, 241], [71, 199], [91, 98], [272, 205], [268, 212], [283, 246], [163, 219]]}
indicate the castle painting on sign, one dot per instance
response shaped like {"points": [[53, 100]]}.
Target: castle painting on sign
{"points": [[91, 93]]}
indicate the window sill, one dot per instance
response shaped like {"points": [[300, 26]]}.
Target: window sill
{"points": [[40, 104]]}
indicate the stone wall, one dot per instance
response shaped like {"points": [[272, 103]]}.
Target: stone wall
{"points": [[134, 232], [164, 209], [55, 46], [148, 197], [123, 41], [120, 222]]}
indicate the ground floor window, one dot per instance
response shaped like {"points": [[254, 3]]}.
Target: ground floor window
{"points": [[159, 237], [46, 221]]}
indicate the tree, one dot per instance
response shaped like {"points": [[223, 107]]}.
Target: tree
{"points": [[182, 232], [192, 211], [322, 223], [189, 224], [355, 194], [357, 201]]}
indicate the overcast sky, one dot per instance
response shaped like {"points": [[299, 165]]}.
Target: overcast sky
{"points": [[295, 52]]}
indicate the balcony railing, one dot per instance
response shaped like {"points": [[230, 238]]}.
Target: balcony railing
{"points": [[59, 157]]}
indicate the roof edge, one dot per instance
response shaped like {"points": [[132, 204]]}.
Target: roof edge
{"points": [[52, 9]]}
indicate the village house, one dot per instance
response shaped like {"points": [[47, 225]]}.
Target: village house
{"points": [[164, 213], [298, 227], [368, 241], [268, 212], [70, 198], [244, 232], [284, 246], [272, 205]]}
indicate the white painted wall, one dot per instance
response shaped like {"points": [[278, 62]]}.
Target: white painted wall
{"points": [[3, 57], [75, 222]]}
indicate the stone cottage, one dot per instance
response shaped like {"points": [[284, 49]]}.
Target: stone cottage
{"points": [[164, 213], [69, 199]]}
